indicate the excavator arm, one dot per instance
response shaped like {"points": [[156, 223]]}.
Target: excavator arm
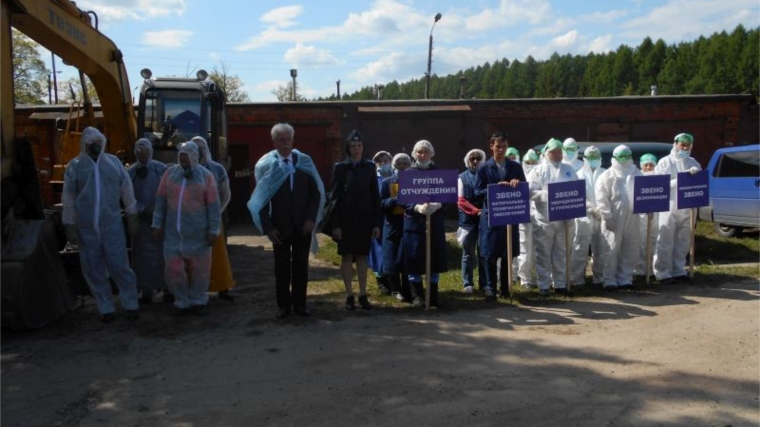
{"points": [[67, 31]]}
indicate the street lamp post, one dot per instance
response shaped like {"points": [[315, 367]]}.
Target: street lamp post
{"points": [[55, 78], [294, 74], [337, 83], [430, 56]]}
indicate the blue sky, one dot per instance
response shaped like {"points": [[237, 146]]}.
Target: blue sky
{"points": [[363, 43]]}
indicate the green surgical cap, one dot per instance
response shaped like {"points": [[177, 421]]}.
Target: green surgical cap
{"points": [[648, 158], [591, 151], [512, 151], [553, 144], [530, 155], [684, 137], [622, 151]]}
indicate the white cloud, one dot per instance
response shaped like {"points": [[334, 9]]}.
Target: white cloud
{"points": [[601, 44], [309, 56], [680, 20], [282, 17], [167, 38], [117, 10], [565, 41]]}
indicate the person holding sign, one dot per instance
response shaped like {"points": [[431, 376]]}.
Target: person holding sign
{"points": [[614, 200], [525, 261], [393, 230], [647, 163], [498, 169], [588, 231], [414, 247], [469, 220], [674, 229], [549, 237], [358, 216]]}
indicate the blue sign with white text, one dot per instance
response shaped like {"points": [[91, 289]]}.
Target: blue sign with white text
{"points": [[651, 193], [567, 200], [693, 190], [507, 205], [424, 186]]}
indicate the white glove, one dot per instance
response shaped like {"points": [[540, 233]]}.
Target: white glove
{"points": [[421, 209], [432, 207], [609, 224], [541, 196], [693, 170], [596, 214]]}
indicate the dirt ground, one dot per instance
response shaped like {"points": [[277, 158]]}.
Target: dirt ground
{"points": [[683, 356]]}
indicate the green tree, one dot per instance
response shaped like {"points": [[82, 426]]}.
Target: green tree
{"points": [[71, 90], [232, 85], [285, 93], [30, 76], [624, 74]]}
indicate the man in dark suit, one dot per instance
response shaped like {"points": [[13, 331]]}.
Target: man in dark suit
{"points": [[285, 206], [498, 169]]}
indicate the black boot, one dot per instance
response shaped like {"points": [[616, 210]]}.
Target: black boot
{"points": [[418, 294], [434, 294], [383, 285]]}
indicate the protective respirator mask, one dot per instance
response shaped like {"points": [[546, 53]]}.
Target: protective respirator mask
{"points": [[94, 149]]}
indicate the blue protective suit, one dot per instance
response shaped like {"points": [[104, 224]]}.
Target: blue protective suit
{"points": [[147, 250]]}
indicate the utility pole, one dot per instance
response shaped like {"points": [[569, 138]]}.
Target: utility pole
{"points": [[430, 56]]}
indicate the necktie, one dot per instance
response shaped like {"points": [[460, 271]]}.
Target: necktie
{"points": [[290, 172]]}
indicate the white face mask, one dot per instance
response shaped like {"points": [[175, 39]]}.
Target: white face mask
{"points": [[424, 164], [528, 168], [683, 154], [594, 164], [385, 169]]}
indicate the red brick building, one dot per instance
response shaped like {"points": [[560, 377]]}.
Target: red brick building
{"points": [[453, 126]]}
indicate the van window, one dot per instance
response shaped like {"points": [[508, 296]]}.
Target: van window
{"points": [[738, 164]]}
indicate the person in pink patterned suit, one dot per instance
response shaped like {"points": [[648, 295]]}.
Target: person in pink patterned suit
{"points": [[187, 216]]}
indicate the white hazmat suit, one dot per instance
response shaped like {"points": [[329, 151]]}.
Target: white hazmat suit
{"points": [[93, 190], [620, 226], [588, 232], [674, 230], [549, 237]]}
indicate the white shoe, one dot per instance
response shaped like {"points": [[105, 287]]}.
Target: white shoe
{"points": [[467, 289]]}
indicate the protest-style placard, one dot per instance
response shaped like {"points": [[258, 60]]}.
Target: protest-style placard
{"points": [[693, 190], [567, 200], [425, 186], [507, 205], [651, 193]]}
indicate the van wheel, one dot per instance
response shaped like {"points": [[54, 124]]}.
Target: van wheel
{"points": [[724, 230]]}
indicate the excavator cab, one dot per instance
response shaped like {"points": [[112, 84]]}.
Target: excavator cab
{"points": [[174, 110]]}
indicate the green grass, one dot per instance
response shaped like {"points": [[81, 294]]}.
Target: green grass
{"points": [[712, 252]]}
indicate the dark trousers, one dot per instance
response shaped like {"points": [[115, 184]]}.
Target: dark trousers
{"points": [[291, 265], [491, 274]]}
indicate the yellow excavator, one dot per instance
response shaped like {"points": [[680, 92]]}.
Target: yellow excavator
{"points": [[34, 284]]}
